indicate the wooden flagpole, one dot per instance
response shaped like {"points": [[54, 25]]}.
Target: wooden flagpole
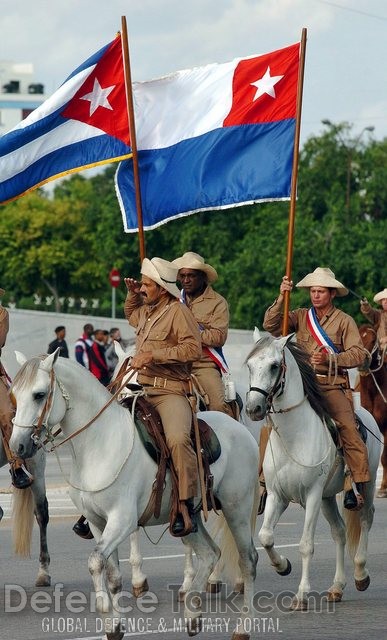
{"points": [[133, 140], [293, 192]]}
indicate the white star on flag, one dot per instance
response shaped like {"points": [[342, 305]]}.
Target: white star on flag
{"points": [[266, 85], [98, 97]]}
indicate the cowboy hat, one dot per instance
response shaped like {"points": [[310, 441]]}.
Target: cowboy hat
{"points": [[322, 277], [380, 296], [162, 272], [191, 260]]}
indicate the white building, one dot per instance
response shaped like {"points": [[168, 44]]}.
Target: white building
{"points": [[20, 93]]}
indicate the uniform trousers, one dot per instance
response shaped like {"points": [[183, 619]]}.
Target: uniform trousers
{"points": [[354, 449], [210, 379], [176, 416]]}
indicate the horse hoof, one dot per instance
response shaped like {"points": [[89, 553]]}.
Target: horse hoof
{"points": [[181, 596], [334, 595], [362, 585], [214, 587], [240, 636], [286, 571], [43, 581], [140, 589], [382, 493], [115, 635], [299, 605], [239, 587], [194, 626]]}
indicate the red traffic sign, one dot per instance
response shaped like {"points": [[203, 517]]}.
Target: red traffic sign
{"points": [[114, 277]]}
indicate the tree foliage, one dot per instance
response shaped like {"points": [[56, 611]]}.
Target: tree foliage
{"points": [[66, 244]]}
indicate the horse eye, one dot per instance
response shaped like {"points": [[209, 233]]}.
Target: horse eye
{"points": [[39, 395], [274, 366]]}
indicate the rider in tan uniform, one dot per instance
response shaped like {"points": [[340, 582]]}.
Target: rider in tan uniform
{"points": [[211, 312], [377, 317], [20, 478], [167, 342], [346, 352]]}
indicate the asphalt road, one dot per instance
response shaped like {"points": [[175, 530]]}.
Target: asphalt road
{"points": [[62, 611]]}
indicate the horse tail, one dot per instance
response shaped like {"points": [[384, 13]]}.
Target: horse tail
{"points": [[23, 520], [228, 564], [353, 530]]}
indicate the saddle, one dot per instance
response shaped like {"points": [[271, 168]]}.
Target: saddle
{"points": [[151, 433]]}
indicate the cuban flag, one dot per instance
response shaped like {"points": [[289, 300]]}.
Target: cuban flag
{"points": [[212, 137], [83, 124]]}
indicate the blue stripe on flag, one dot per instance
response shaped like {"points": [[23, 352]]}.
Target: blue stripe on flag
{"points": [[222, 168]]}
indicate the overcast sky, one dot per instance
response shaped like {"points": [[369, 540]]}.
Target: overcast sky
{"points": [[346, 53]]}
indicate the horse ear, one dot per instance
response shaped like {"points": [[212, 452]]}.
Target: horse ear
{"points": [[118, 349], [20, 358], [284, 340], [256, 334], [48, 363]]}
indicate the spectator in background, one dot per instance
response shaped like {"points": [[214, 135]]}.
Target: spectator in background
{"points": [[59, 342], [83, 346], [97, 360]]}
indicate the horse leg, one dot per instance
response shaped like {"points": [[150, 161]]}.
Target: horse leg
{"points": [[102, 571], [358, 526], [189, 570], [139, 579], [275, 506], [207, 553], [240, 528], [306, 548], [332, 515]]}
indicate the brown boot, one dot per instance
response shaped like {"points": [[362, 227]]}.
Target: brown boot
{"points": [[179, 527]]}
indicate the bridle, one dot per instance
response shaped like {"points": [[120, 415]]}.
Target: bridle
{"points": [[276, 390], [42, 421]]}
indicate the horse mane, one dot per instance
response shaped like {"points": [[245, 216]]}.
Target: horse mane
{"points": [[312, 389], [27, 372], [310, 384]]}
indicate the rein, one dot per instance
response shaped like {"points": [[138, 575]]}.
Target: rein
{"points": [[43, 418], [278, 385]]}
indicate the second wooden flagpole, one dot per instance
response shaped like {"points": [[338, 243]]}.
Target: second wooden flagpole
{"points": [[133, 140], [293, 191]]}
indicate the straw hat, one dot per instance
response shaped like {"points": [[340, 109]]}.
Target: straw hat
{"points": [[322, 277], [163, 273], [380, 296], [191, 260], [2, 292]]}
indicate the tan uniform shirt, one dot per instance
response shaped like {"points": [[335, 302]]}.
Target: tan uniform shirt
{"points": [[339, 326], [169, 331], [210, 310], [378, 319], [4, 326]]}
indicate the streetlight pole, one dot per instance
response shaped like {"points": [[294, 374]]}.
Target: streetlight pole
{"points": [[350, 147]]}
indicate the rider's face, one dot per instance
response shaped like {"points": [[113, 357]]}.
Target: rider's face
{"points": [[150, 290], [321, 297], [192, 280]]}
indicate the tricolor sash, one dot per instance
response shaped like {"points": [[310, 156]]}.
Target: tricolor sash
{"points": [[318, 333], [215, 353]]}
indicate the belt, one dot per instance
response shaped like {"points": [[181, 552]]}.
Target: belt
{"points": [[165, 383], [323, 378]]}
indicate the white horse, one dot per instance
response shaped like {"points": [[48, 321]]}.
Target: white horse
{"points": [[139, 579], [112, 475], [301, 463], [26, 502]]}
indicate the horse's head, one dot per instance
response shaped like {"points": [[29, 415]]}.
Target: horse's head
{"points": [[370, 343], [40, 402], [266, 367], [123, 371]]}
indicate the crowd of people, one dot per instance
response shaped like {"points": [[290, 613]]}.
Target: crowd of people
{"points": [[180, 333]]}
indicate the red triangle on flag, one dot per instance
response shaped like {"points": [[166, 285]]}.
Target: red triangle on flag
{"points": [[101, 100]]}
